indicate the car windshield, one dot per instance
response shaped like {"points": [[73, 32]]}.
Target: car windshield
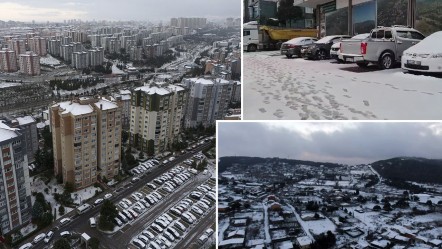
{"points": [[326, 39]]}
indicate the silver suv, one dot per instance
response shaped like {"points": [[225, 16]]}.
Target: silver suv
{"points": [[383, 47]]}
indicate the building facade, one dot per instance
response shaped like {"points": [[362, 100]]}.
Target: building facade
{"points": [[208, 101], [15, 191], [156, 115], [79, 60], [86, 136], [28, 127], [18, 46], [8, 61], [360, 16], [29, 64], [38, 45]]}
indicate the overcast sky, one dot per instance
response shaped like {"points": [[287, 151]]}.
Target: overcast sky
{"points": [[152, 10], [349, 142]]}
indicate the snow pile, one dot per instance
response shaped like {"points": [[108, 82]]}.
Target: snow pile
{"points": [[49, 60]]}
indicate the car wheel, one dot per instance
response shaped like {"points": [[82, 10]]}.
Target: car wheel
{"points": [[340, 61], [251, 48], [386, 61], [362, 64], [289, 55], [321, 55]]}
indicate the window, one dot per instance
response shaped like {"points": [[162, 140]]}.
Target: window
{"points": [[388, 34]]}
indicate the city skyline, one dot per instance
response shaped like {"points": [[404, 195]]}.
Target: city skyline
{"points": [[58, 11], [348, 143]]}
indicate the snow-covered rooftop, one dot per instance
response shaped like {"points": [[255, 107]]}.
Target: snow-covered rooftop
{"points": [[6, 134], [74, 108], [105, 104], [159, 90], [304, 241], [231, 242], [25, 120], [202, 81], [123, 92]]}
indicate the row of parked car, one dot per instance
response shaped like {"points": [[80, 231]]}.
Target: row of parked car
{"points": [[383, 46], [169, 181], [166, 230], [145, 167]]}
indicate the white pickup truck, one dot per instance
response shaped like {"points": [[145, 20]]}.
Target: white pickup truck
{"points": [[383, 47]]}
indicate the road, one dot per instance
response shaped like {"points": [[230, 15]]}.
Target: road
{"points": [[279, 88], [80, 223]]}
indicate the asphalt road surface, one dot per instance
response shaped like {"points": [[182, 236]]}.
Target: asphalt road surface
{"points": [[80, 223]]}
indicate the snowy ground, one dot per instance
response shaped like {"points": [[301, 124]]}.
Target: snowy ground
{"points": [[38, 185], [49, 60], [279, 88], [28, 229], [8, 84]]}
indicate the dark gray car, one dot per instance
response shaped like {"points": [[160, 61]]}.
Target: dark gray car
{"points": [[293, 47], [320, 50]]}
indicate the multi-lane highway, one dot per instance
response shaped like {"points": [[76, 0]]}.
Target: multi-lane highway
{"points": [[80, 223]]}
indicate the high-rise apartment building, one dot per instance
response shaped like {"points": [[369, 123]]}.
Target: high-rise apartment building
{"points": [[95, 40], [79, 60], [38, 45], [174, 22], [15, 191], [8, 61], [66, 52], [192, 22], [87, 140], [156, 115], [28, 128], [29, 64], [54, 47], [18, 46], [95, 57], [208, 101]]}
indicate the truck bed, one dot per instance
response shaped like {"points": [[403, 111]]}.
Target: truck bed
{"points": [[351, 47]]}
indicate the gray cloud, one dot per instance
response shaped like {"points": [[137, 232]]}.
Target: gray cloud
{"points": [[350, 143], [139, 10]]}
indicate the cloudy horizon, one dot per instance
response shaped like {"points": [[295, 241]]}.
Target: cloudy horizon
{"points": [[336, 142], [111, 10]]}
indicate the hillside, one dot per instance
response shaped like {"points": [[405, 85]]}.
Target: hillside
{"points": [[225, 162], [410, 169]]}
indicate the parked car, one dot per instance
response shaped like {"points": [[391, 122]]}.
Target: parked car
{"points": [[335, 51], [39, 238], [64, 221], [49, 236], [26, 246], [107, 196], [65, 234], [426, 56], [292, 47], [384, 47], [320, 50], [98, 201]]}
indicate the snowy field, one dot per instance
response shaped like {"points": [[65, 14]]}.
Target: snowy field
{"points": [[8, 84], [49, 60], [279, 88]]}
